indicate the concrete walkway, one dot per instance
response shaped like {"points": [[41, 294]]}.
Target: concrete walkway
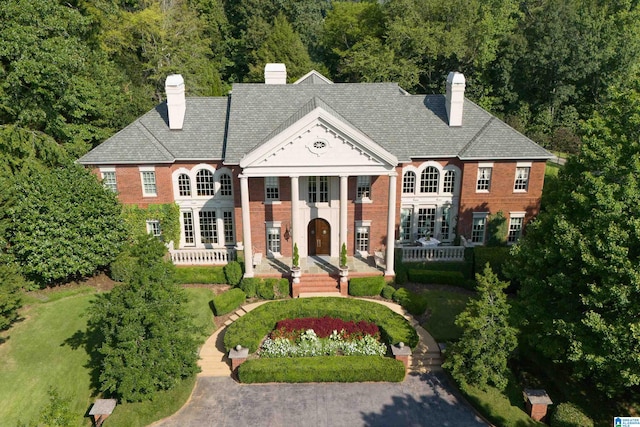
{"points": [[424, 398]]}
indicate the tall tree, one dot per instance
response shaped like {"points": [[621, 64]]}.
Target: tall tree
{"points": [[282, 44], [480, 356], [578, 264], [146, 335]]}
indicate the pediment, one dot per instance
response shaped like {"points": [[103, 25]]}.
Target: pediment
{"points": [[318, 141]]}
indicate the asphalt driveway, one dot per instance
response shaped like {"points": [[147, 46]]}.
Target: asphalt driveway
{"points": [[421, 400]]}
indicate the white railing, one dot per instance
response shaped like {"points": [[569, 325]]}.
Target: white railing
{"points": [[202, 256], [434, 253]]}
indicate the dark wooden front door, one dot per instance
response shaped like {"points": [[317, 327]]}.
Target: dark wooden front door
{"points": [[319, 237]]}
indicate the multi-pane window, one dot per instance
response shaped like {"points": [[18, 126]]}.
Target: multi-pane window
{"points": [[363, 187], [405, 225], [271, 188], [426, 222], [204, 183], [449, 182], [484, 179], [478, 229], [318, 189], [227, 223], [109, 180], [429, 180], [226, 188], [522, 179], [148, 183], [445, 228], [153, 228], [362, 239], [208, 227], [273, 240], [409, 183], [184, 185], [515, 229], [187, 223]]}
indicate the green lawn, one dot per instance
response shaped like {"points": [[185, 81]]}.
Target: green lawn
{"points": [[444, 306], [46, 349]]}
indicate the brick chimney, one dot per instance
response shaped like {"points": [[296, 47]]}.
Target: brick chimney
{"points": [[275, 74], [455, 98], [176, 102]]}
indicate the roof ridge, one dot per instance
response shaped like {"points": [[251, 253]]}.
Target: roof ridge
{"points": [[476, 136], [153, 140]]}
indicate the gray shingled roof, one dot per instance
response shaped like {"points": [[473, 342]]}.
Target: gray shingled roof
{"points": [[408, 126], [149, 139]]}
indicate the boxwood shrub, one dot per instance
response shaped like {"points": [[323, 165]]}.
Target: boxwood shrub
{"points": [[321, 369], [282, 288], [416, 304], [250, 329], [233, 273], [228, 301], [569, 415], [249, 286], [495, 256], [455, 278], [366, 286], [387, 291], [265, 289]]}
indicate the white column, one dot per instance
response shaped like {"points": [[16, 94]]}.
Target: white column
{"points": [[344, 188], [391, 225], [295, 211], [246, 226]]}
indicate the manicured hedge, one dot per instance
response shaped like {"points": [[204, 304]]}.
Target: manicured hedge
{"points": [[233, 273], [228, 301], [321, 369], [495, 256], [416, 304], [366, 286], [569, 415], [205, 275], [281, 288], [387, 292], [249, 286], [250, 329], [454, 278], [265, 289]]}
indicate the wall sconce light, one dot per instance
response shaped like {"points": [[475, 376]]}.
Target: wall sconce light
{"points": [[287, 235]]}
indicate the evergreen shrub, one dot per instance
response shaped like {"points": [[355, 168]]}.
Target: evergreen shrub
{"points": [[454, 278], [321, 369], [495, 256], [250, 286], [122, 268], [366, 286], [568, 415], [228, 301], [282, 288], [266, 289], [233, 273], [387, 292], [414, 303]]}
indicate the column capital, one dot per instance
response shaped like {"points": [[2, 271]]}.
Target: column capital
{"points": [[393, 173]]}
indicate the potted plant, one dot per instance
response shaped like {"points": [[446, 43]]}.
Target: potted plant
{"points": [[344, 268], [295, 269]]}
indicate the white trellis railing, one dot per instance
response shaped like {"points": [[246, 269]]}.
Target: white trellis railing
{"points": [[433, 253], [202, 256]]}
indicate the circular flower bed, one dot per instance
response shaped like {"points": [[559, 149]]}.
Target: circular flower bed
{"points": [[324, 336]]}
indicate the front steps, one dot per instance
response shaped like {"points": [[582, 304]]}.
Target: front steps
{"points": [[318, 284]]}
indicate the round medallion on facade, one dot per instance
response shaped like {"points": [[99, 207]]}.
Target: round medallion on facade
{"points": [[318, 146]]}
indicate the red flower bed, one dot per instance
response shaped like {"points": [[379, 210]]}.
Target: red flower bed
{"points": [[324, 327]]}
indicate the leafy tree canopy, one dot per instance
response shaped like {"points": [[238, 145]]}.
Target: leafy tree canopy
{"points": [[147, 337], [578, 264]]}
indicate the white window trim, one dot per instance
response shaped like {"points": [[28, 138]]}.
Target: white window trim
{"points": [[268, 225], [267, 200], [521, 190], [106, 169], [363, 224], [483, 166], [363, 199], [484, 215], [218, 185], [150, 227], [148, 169], [511, 216]]}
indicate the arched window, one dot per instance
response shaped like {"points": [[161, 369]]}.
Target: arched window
{"points": [[449, 184], [225, 185], [429, 180], [204, 183], [184, 185], [409, 182]]}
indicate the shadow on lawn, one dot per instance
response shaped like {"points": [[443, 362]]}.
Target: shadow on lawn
{"points": [[89, 341]]}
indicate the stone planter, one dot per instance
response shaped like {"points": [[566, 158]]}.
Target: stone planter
{"points": [[296, 273]]}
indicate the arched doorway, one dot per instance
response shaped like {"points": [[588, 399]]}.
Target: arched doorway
{"points": [[319, 237]]}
